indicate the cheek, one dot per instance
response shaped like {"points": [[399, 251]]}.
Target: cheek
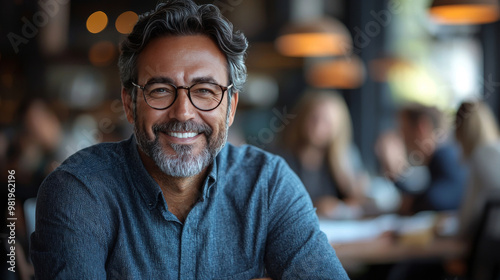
{"points": [[216, 119], [146, 118]]}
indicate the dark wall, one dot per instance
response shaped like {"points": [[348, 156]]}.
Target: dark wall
{"points": [[371, 106], [490, 39]]}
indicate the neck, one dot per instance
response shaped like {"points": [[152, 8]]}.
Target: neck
{"points": [[311, 157], [180, 193]]}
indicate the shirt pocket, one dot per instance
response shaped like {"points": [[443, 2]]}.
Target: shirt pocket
{"points": [[254, 272]]}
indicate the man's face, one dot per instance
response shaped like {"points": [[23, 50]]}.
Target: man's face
{"points": [[414, 134], [408, 132], [181, 140]]}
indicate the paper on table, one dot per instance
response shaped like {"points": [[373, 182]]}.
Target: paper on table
{"points": [[344, 231]]}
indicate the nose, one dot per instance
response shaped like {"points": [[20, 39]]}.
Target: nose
{"points": [[182, 109]]}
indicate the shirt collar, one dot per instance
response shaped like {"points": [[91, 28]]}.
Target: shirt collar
{"points": [[210, 181], [146, 185]]}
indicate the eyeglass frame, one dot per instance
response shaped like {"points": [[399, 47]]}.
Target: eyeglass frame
{"points": [[224, 89]]}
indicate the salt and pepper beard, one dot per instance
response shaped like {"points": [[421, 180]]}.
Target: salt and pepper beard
{"points": [[183, 163]]}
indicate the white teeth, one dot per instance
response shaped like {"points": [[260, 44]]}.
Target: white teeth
{"points": [[182, 134]]}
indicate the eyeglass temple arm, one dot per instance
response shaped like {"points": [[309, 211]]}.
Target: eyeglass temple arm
{"points": [[136, 85]]}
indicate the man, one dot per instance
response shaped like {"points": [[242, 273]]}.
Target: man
{"points": [[175, 202], [424, 139]]}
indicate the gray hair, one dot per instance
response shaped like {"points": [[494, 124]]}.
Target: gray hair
{"points": [[182, 18]]}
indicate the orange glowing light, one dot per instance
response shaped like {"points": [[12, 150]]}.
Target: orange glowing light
{"points": [[314, 38], [465, 14], [102, 53], [345, 73], [96, 22], [312, 44], [126, 21]]}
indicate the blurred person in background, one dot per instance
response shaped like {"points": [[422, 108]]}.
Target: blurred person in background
{"points": [[478, 134], [425, 141], [320, 150]]}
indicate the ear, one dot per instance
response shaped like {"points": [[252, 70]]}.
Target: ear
{"points": [[128, 105], [234, 104]]}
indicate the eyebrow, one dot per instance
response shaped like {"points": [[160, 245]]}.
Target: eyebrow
{"points": [[162, 79], [204, 79], [155, 80]]}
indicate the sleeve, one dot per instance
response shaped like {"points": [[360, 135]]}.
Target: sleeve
{"points": [[69, 238], [296, 248]]}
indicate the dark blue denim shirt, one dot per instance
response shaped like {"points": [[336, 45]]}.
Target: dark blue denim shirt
{"points": [[100, 215]]}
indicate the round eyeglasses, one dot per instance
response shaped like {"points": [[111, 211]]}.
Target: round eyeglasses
{"points": [[205, 96]]}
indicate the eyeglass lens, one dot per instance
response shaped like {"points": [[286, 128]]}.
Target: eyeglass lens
{"points": [[205, 96]]}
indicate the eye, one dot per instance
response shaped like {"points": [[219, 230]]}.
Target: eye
{"points": [[205, 89], [158, 90]]}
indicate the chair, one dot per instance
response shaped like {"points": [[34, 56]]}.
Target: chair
{"points": [[29, 216], [485, 256]]}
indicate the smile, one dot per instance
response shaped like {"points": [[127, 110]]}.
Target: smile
{"points": [[182, 134]]}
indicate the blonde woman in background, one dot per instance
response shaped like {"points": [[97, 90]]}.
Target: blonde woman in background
{"points": [[478, 134], [320, 150]]}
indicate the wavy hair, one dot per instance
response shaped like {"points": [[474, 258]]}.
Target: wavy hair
{"points": [[475, 126], [183, 18], [340, 142]]}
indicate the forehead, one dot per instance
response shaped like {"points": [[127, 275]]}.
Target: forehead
{"points": [[182, 59]]}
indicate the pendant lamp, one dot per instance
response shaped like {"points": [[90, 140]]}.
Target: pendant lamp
{"points": [[465, 11], [340, 73], [314, 38]]}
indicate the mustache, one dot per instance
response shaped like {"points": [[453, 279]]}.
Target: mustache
{"points": [[178, 126]]}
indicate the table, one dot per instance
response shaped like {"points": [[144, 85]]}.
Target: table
{"points": [[392, 238], [385, 250]]}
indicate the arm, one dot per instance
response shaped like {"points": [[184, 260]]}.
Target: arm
{"points": [[69, 240], [296, 248]]}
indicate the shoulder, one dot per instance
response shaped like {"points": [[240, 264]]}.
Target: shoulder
{"points": [[96, 158], [447, 150], [485, 152], [447, 154], [254, 168], [484, 162], [89, 169], [248, 156]]}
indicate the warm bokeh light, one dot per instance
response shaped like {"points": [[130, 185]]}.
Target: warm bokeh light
{"points": [[96, 22], [465, 14], [379, 68], [344, 73], [126, 21], [102, 53], [312, 44], [7, 80], [316, 37]]}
